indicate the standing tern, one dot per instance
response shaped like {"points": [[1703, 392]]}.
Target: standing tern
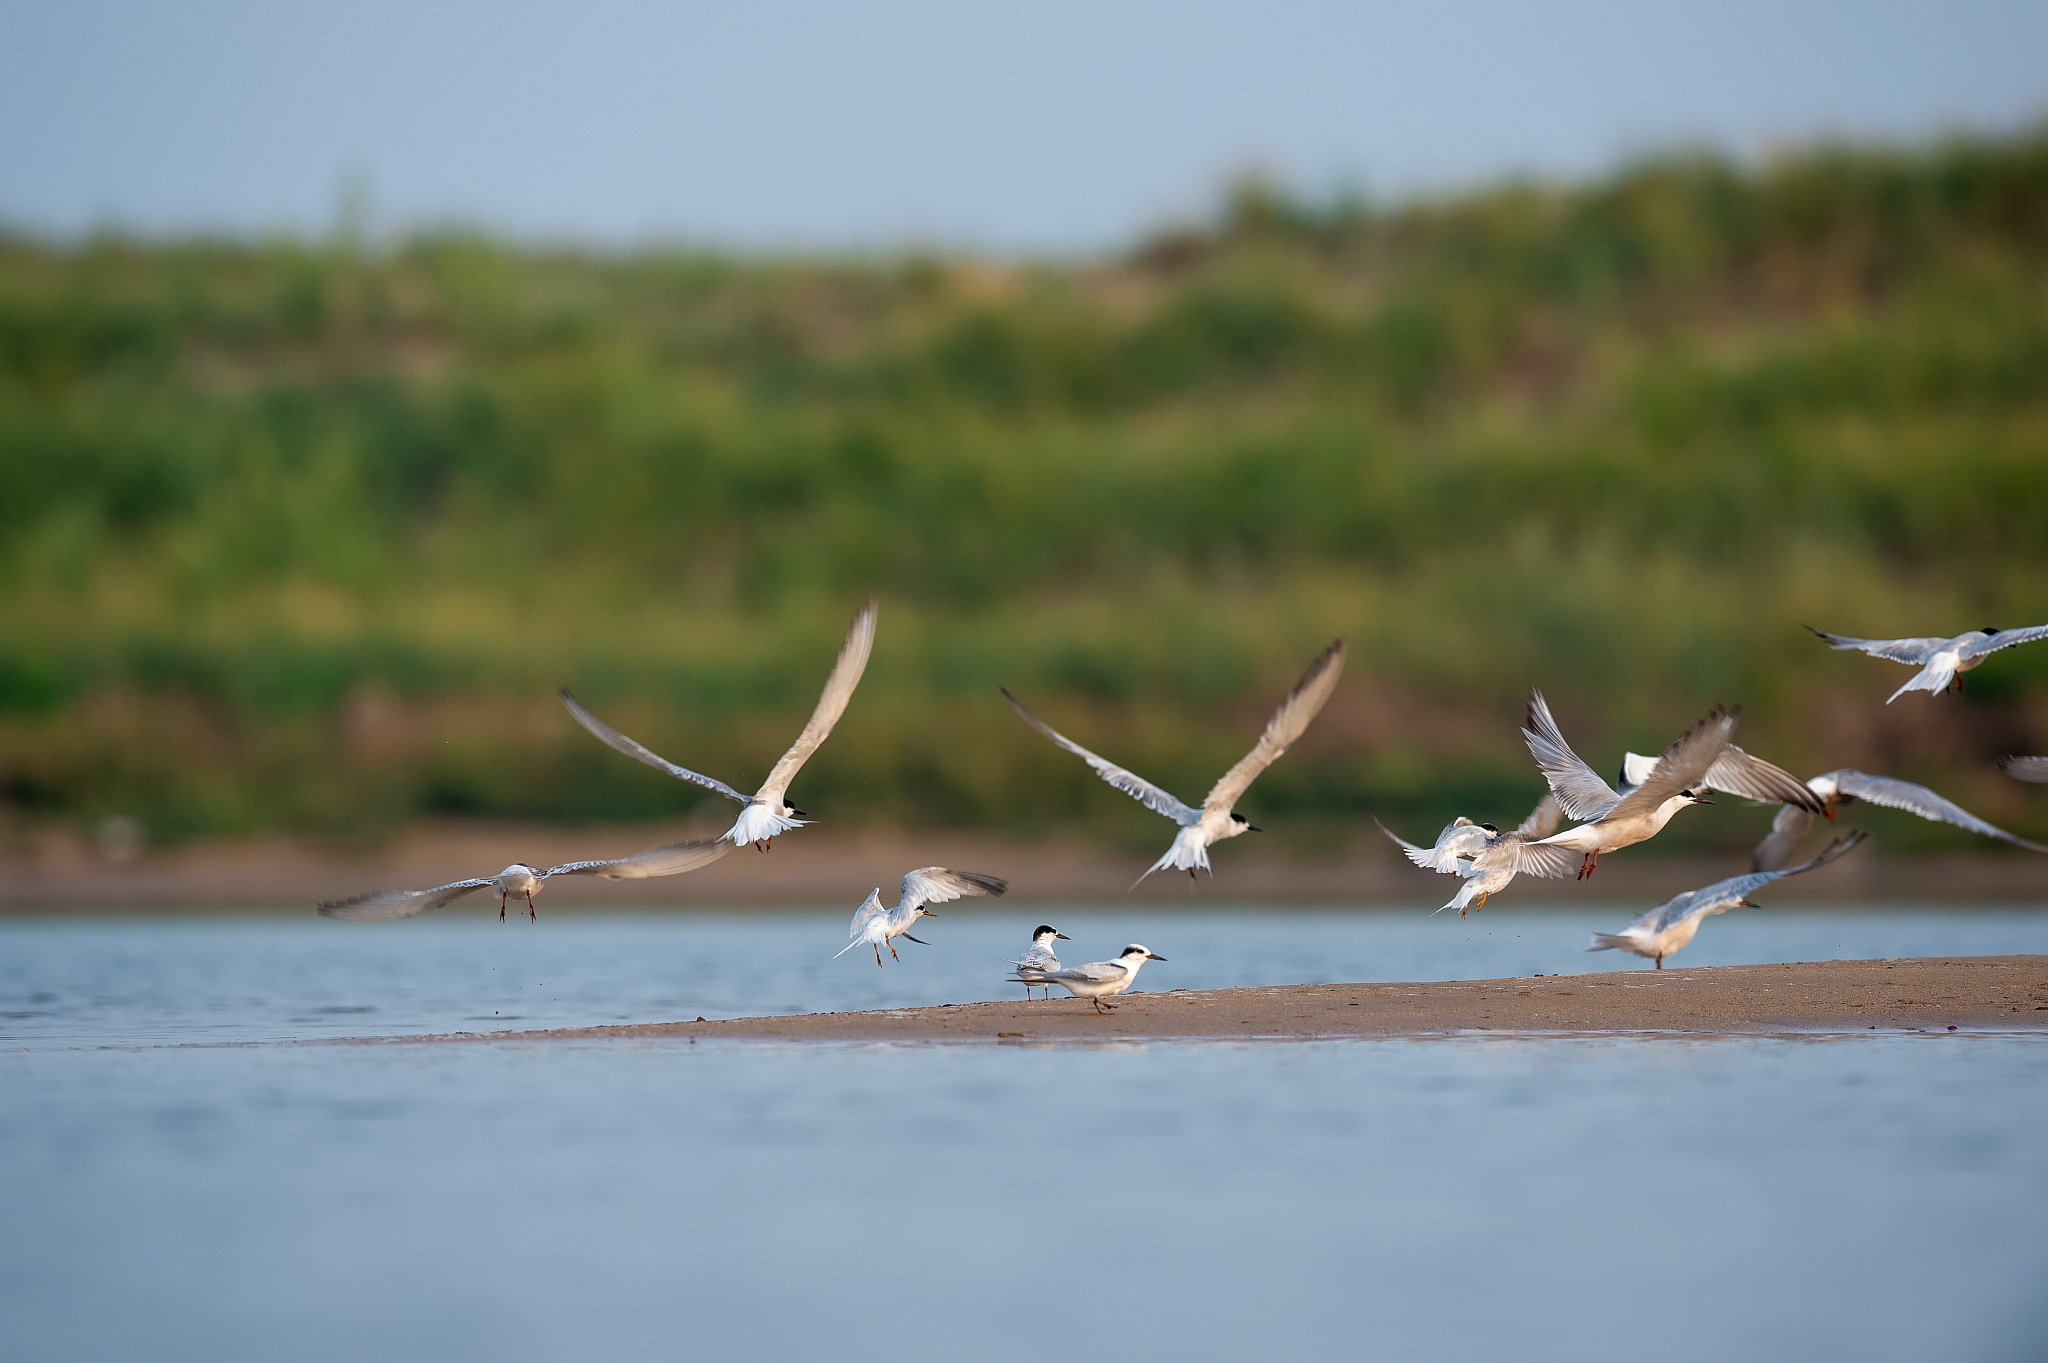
{"points": [[1041, 957], [1611, 821], [768, 812], [878, 927], [1845, 787], [2033, 769], [1095, 981], [1669, 926], [1941, 661], [521, 881], [1216, 819]]}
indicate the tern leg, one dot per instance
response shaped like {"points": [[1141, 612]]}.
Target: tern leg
{"points": [[878, 953], [892, 952], [501, 906], [529, 909], [1660, 963]]}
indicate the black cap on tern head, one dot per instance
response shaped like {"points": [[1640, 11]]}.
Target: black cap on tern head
{"points": [[1990, 629], [1044, 928]]}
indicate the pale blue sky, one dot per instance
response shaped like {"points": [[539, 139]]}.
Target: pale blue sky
{"points": [[1055, 125]]}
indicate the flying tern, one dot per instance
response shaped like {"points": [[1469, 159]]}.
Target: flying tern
{"points": [[1610, 821], [878, 927], [1216, 819], [1941, 661], [1488, 858], [1844, 787], [1041, 957], [1669, 926], [1095, 981], [768, 811], [521, 881], [2026, 768]]}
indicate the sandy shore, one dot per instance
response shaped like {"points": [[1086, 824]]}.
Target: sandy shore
{"points": [[1936, 994]]}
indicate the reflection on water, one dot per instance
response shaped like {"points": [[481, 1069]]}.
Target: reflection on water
{"points": [[102, 981], [1875, 1198]]}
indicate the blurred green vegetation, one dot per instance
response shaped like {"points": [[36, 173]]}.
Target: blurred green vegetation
{"points": [[302, 535]]}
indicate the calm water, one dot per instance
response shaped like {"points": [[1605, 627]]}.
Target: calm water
{"points": [[1875, 1197]]}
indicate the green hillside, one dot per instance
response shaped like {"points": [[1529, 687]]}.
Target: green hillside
{"points": [[304, 535]]}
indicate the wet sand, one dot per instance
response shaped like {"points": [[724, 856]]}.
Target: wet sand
{"points": [[1927, 994]]}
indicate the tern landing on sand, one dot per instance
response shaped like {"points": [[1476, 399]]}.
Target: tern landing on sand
{"points": [[1612, 821], [879, 927], [2033, 769], [1216, 819], [520, 881], [1669, 926], [768, 811], [1846, 787], [1095, 981], [1487, 858], [1041, 957], [1941, 661]]}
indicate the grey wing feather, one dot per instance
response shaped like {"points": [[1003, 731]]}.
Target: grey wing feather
{"points": [[1526, 859], [2033, 769], [383, 906], [1911, 651], [1543, 820], [870, 909], [618, 742], [672, 859], [1786, 831], [2005, 638], [1896, 794], [1579, 790], [1682, 765], [1723, 893], [1287, 724], [1130, 783], [846, 672], [1095, 972], [937, 885], [1739, 773]]}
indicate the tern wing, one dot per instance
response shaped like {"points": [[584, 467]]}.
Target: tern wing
{"points": [[1777, 847], [2026, 768], [1542, 860], [382, 906], [1432, 858], [1130, 783], [1896, 794], [870, 909], [1095, 972], [852, 661], [2005, 638], [937, 885], [1286, 725], [1542, 821], [1682, 765], [1738, 773], [1911, 651], [1723, 894], [618, 742], [670, 860], [1579, 790]]}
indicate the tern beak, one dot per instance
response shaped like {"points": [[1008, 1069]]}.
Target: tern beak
{"points": [[798, 812], [1252, 827], [1698, 799], [1063, 937], [927, 913], [1150, 957], [1747, 905]]}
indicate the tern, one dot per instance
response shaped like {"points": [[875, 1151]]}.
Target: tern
{"points": [[1041, 957], [767, 812], [1095, 981], [1844, 787], [878, 927], [1668, 927], [1610, 821], [1941, 661], [1488, 858], [2026, 768], [1216, 819], [521, 881]]}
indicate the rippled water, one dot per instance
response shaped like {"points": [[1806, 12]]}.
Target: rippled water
{"points": [[1872, 1197]]}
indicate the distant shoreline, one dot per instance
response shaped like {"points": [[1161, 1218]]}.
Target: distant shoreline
{"points": [[1933, 994], [823, 867]]}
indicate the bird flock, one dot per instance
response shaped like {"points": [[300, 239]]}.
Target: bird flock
{"points": [[1650, 792]]}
